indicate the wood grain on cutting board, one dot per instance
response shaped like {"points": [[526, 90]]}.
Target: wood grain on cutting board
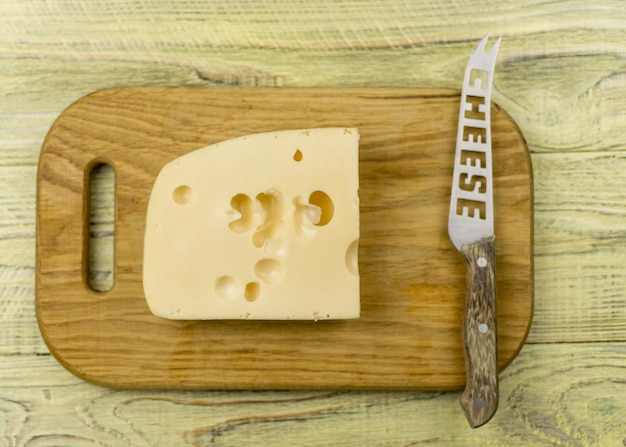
{"points": [[412, 278]]}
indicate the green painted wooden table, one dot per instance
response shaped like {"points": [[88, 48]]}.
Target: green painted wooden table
{"points": [[561, 75]]}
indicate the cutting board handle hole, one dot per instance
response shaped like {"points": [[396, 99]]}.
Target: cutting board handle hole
{"points": [[100, 234]]}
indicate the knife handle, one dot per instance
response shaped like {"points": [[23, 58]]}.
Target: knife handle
{"points": [[480, 398]]}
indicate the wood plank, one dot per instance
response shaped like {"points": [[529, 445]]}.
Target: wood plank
{"points": [[580, 247], [552, 394], [579, 114], [411, 309], [284, 25]]}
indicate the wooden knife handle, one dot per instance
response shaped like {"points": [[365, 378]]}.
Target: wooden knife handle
{"points": [[480, 398]]}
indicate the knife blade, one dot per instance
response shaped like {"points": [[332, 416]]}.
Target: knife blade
{"points": [[471, 230]]}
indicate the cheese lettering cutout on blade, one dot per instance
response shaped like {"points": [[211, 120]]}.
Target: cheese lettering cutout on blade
{"points": [[263, 227]]}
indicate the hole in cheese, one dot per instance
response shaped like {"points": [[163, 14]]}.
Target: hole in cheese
{"points": [[182, 195], [245, 208], [326, 206], [272, 227], [253, 291], [306, 217], [352, 258], [270, 271], [226, 287]]}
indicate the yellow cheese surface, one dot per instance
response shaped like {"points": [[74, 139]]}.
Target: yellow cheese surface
{"points": [[264, 226]]}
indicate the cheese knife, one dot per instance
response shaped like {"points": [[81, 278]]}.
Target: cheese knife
{"points": [[471, 230]]}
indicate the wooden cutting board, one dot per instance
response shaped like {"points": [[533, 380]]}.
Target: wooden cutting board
{"points": [[412, 278]]}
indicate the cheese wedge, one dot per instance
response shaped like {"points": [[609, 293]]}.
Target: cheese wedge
{"points": [[264, 226]]}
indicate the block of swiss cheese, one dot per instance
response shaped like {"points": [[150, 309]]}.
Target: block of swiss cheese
{"points": [[264, 226]]}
